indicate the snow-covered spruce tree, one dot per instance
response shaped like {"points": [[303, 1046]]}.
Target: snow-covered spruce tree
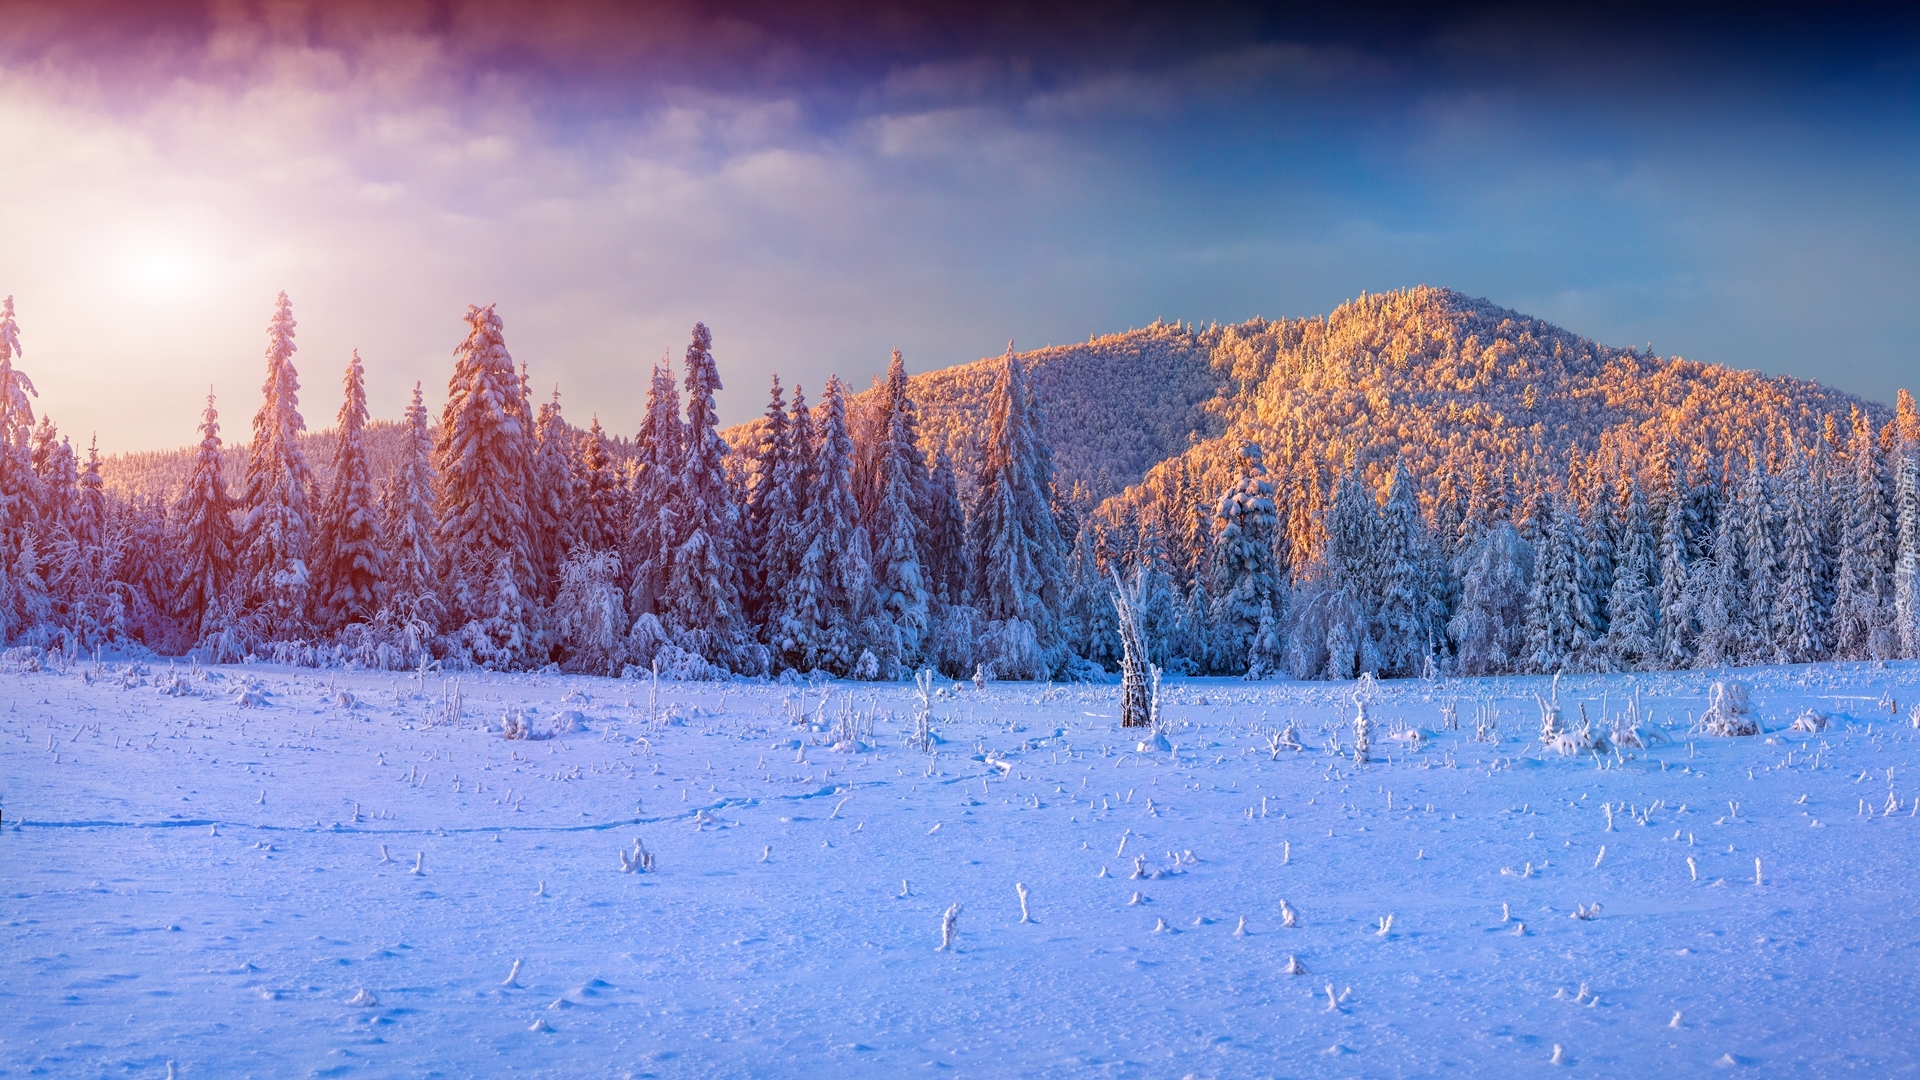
{"points": [[703, 575], [90, 503], [276, 531], [204, 537], [555, 518], [1906, 578], [1633, 625], [946, 545], [349, 560], [1717, 597], [409, 533], [589, 613], [1558, 624], [1602, 541], [1489, 628], [1405, 638], [1760, 545], [1090, 620], [659, 448], [1018, 577], [17, 487], [55, 479], [764, 515], [1242, 578], [1353, 541], [894, 528], [1674, 638], [1799, 618], [483, 453], [1863, 589], [831, 591], [597, 492]]}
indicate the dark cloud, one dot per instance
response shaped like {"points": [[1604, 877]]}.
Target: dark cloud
{"points": [[823, 183]]}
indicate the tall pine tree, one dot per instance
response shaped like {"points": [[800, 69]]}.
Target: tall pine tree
{"points": [[659, 446], [703, 577], [483, 453], [276, 534], [1019, 571], [205, 539], [895, 528], [1245, 585], [350, 561], [409, 532]]}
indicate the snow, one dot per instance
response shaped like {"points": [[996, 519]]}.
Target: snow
{"points": [[227, 890]]}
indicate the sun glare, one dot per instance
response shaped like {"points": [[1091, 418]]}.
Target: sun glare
{"points": [[162, 272]]}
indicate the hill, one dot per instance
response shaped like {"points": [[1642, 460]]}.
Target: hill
{"points": [[1425, 375]]}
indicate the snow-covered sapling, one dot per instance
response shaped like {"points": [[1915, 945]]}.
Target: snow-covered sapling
{"points": [[949, 928], [1362, 732], [1287, 915], [513, 977], [1726, 713], [1025, 917], [419, 863]]}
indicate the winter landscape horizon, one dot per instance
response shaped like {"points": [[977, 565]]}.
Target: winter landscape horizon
{"points": [[1418, 683]]}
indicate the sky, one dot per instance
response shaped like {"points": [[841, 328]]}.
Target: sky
{"points": [[823, 183]]}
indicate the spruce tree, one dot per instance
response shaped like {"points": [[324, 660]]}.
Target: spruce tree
{"points": [[1799, 620], [946, 547], [764, 519], [1863, 589], [556, 520], [1760, 548], [17, 487], [483, 453], [1632, 627], [1717, 596], [1242, 578], [1556, 624], [830, 591], [90, 504], [660, 446], [1676, 620], [597, 491], [205, 544], [55, 481], [1405, 636], [1018, 578], [350, 560], [703, 576], [409, 532], [1906, 602], [895, 529], [276, 533], [1489, 627]]}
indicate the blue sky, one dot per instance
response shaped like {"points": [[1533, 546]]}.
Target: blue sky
{"points": [[822, 185]]}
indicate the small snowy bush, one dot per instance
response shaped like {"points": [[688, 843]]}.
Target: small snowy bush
{"points": [[1726, 714]]}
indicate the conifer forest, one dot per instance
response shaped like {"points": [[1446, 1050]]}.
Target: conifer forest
{"points": [[1485, 494], [1158, 541]]}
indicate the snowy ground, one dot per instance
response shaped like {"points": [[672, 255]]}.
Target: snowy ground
{"points": [[187, 884]]}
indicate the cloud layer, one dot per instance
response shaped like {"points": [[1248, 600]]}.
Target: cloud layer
{"points": [[822, 190]]}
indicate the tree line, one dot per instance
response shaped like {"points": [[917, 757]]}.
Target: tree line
{"points": [[833, 541]]}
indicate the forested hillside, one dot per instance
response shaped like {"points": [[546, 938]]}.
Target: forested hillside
{"points": [[1416, 482]]}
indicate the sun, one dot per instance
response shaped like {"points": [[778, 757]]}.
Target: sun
{"points": [[163, 272]]}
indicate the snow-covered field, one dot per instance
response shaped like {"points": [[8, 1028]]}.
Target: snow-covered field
{"points": [[326, 882]]}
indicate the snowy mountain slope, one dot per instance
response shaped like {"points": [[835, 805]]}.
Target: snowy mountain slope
{"points": [[197, 885]]}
